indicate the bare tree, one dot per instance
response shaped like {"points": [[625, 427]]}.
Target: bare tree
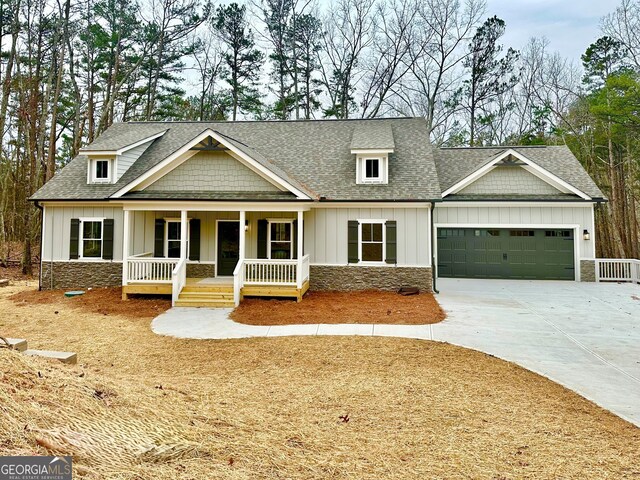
{"points": [[623, 25]]}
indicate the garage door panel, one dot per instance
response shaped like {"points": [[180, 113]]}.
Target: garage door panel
{"points": [[506, 253]]}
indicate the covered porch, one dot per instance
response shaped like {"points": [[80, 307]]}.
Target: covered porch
{"points": [[214, 255]]}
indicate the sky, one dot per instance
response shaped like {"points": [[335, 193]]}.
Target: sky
{"points": [[569, 25]]}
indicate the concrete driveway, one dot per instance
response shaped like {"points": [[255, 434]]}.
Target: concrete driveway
{"points": [[585, 336]]}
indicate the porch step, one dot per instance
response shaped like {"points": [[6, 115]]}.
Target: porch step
{"points": [[199, 295], [204, 302], [208, 288]]}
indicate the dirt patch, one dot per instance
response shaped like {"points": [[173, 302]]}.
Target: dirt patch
{"points": [[14, 273], [101, 301], [342, 307], [300, 408]]}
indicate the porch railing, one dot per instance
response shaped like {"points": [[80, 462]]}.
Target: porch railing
{"points": [[272, 272], [144, 269], [178, 280], [617, 270], [238, 281]]}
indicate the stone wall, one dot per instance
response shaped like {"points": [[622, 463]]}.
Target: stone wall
{"points": [[201, 270], [80, 274], [587, 270], [348, 277]]}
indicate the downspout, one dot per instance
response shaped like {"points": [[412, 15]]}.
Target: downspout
{"points": [[41, 243], [434, 268]]}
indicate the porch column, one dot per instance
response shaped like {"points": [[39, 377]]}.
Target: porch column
{"points": [[243, 233], [299, 247], [183, 234], [125, 251]]}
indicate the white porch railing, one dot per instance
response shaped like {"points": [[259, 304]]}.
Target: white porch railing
{"points": [[617, 270], [238, 281], [178, 280], [144, 269]]}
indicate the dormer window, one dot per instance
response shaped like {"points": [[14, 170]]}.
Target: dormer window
{"points": [[100, 170], [372, 168]]}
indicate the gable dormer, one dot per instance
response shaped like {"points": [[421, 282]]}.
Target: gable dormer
{"points": [[372, 144], [108, 165]]}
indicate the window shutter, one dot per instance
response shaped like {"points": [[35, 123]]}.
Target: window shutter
{"points": [[194, 239], [74, 238], [262, 238], [158, 244], [294, 238], [107, 239], [352, 251], [392, 250]]}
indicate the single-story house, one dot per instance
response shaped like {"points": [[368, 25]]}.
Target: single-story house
{"points": [[213, 211]]}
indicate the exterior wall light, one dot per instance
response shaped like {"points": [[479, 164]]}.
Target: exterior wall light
{"points": [[586, 235], [246, 226]]}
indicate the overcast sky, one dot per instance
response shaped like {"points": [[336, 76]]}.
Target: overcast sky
{"points": [[570, 25]]}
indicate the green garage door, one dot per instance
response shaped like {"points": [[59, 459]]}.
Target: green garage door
{"points": [[506, 253]]}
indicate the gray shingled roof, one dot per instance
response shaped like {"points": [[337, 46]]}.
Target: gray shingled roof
{"points": [[317, 154], [209, 195], [121, 135], [372, 136], [454, 164]]}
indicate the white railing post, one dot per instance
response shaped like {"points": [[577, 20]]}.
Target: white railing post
{"points": [[597, 262], [125, 248], [178, 280], [299, 279]]}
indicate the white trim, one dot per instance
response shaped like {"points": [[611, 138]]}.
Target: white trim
{"points": [[167, 164], [123, 149], [215, 246], [384, 241], [280, 220], [577, 235], [383, 169], [42, 242], [500, 204], [91, 171], [216, 207], [371, 151], [126, 225], [81, 239], [540, 173]]}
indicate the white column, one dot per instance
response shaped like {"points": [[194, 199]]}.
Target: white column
{"points": [[299, 247], [241, 247], [125, 248], [183, 234]]}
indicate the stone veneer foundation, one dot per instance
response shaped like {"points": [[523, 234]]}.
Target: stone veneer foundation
{"points": [[80, 274], [587, 270], [352, 277], [201, 270]]}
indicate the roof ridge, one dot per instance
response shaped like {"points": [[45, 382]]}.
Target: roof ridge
{"points": [[310, 120]]}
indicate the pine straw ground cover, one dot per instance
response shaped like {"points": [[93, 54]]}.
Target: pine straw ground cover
{"points": [[148, 407], [341, 307]]}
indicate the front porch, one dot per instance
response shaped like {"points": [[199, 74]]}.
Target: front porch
{"points": [[214, 258]]}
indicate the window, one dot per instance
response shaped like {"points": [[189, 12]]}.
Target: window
{"points": [[100, 170], [280, 239], [558, 233], [372, 169], [372, 241], [521, 233], [90, 238], [172, 238]]}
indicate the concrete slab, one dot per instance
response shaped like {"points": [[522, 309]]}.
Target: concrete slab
{"points": [[19, 344], [64, 357], [345, 329]]}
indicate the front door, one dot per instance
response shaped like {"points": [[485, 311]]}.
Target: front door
{"points": [[228, 247]]}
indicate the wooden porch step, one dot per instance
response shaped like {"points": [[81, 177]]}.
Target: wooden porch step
{"points": [[208, 288], [64, 357], [197, 295], [205, 302]]}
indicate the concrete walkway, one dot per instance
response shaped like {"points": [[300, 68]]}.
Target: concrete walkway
{"points": [[583, 336]]}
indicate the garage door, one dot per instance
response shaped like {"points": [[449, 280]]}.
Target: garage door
{"points": [[506, 253]]}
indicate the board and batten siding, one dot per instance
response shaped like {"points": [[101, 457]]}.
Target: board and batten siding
{"points": [[57, 229], [326, 233], [539, 216]]}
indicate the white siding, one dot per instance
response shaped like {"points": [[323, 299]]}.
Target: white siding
{"points": [[326, 233], [541, 216], [129, 157], [58, 229]]}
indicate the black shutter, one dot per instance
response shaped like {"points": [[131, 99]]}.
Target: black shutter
{"points": [[294, 237], [262, 238], [392, 250], [352, 251], [158, 243], [194, 239], [74, 238], [107, 239]]}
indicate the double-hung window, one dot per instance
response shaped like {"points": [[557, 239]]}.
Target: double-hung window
{"points": [[372, 170], [100, 170], [90, 238], [280, 246], [172, 238], [372, 241]]}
